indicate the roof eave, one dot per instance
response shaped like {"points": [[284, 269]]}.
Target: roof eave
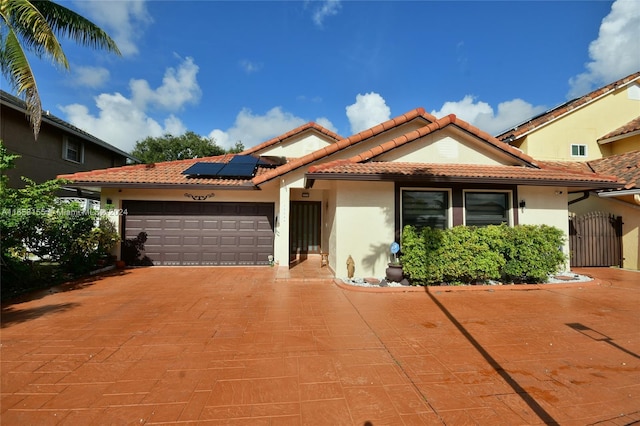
{"points": [[138, 185], [618, 137], [460, 179]]}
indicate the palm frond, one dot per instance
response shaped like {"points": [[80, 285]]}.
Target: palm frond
{"points": [[68, 23], [33, 29], [17, 70]]}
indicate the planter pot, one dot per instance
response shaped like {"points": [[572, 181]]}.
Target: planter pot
{"points": [[394, 273], [121, 264]]}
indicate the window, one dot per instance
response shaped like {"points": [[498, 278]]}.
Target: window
{"points": [[486, 208], [425, 208], [578, 150], [73, 150]]}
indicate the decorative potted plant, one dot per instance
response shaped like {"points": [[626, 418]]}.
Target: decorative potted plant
{"points": [[394, 271]]}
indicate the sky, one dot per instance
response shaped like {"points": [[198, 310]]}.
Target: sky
{"points": [[248, 71]]}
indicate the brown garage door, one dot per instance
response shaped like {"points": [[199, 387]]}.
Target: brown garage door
{"points": [[199, 233]]}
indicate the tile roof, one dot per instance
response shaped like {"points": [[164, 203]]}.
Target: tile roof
{"points": [[345, 169], [170, 173], [546, 117], [631, 127], [165, 174], [626, 166], [296, 131], [441, 124], [343, 144]]}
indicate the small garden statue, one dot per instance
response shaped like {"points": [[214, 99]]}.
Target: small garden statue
{"points": [[351, 267]]}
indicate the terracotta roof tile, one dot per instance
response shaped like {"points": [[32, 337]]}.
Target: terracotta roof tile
{"points": [[565, 108], [297, 130], [167, 173], [461, 172], [338, 146], [630, 127], [625, 166], [437, 125]]}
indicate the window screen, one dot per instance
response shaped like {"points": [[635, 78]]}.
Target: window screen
{"points": [[486, 208], [425, 208]]}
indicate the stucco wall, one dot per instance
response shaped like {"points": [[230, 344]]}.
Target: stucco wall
{"points": [[446, 147], [630, 224], [584, 126], [545, 206], [624, 145], [298, 146], [364, 227]]}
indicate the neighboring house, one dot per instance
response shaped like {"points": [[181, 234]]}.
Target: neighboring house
{"points": [[348, 197], [60, 148], [597, 132]]}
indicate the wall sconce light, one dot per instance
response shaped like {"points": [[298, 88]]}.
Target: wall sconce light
{"points": [[559, 192], [522, 205], [305, 195]]}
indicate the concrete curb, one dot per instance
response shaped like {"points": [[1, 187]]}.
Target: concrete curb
{"points": [[463, 288]]}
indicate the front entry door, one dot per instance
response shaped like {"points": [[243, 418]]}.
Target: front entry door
{"points": [[305, 228]]}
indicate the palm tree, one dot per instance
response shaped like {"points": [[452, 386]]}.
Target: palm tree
{"points": [[32, 25]]}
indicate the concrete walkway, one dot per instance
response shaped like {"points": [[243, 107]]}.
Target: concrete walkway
{"points": [[251, 346]]}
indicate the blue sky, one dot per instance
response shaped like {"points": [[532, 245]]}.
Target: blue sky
{"points": [[248, 71]]}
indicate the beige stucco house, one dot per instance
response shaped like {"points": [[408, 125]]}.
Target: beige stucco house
{"points": [[597, 132], [311, 190]]}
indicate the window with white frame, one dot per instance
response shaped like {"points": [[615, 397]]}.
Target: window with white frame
{"points": [[578, 150], [422, 208], [486, 208], [73, 150]]}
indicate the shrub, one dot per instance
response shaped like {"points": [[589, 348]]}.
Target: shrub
{"points": [[33, 225], [532, 253], [468, 255]]}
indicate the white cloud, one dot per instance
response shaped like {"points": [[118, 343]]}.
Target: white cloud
{"points": [[178, 88], [123, 20], [327, 8], [123, 121], [119, 121], [615, 53], [482, 115], [250, 67], [326, 123], [370, 109], [251, 129], [92, 77]]}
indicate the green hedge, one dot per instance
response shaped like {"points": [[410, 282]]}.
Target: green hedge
{"points": [[473, 255]]}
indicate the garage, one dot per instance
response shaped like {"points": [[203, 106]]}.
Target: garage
{"points": [[199, 233]]}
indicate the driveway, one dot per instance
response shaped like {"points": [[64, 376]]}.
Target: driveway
{"points": [[243, 346]]}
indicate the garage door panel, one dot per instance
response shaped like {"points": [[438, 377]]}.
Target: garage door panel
{"points": [[185, 233], [208, 241], [248, 241], [192, 224], [228, 241], [209, 224], [264, 242], [229, 225], [192, 241]]}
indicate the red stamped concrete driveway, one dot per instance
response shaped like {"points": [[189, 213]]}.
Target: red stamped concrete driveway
{"points": [[244, 346]]}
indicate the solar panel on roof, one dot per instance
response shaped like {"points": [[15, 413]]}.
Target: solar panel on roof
{"points": [[244, 159], [204, 169], [237, 170]]}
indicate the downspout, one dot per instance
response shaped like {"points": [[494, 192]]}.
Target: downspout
{"points": [[585, 195]]}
